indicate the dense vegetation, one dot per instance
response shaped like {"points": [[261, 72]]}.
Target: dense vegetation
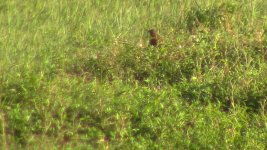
{"points": [[80, 74]]}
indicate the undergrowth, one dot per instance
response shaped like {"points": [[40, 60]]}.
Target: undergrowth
{"points": [[80, 75]]}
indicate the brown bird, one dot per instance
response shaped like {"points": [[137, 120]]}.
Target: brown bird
{"points": [[154, 37]]}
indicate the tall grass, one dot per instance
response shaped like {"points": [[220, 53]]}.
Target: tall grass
{"points": [[80, 74]]}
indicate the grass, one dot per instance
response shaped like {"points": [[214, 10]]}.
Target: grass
{"points": [[80, 75]]}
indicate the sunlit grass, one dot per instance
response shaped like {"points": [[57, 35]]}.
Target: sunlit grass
{"points": [[80, 74]]}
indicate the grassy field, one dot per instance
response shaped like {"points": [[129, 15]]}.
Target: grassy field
{"points": [[79, 74]]}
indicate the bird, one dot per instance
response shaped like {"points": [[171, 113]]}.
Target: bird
{"points": [[154, 38]]}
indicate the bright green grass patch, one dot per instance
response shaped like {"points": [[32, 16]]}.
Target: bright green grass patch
{"points": [[80, 74]]}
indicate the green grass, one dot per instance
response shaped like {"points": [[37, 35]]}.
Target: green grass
{"points": [[80, 74]]}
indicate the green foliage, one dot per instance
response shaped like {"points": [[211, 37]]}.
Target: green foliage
{"points": [[211, 16], [80, 75]]}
